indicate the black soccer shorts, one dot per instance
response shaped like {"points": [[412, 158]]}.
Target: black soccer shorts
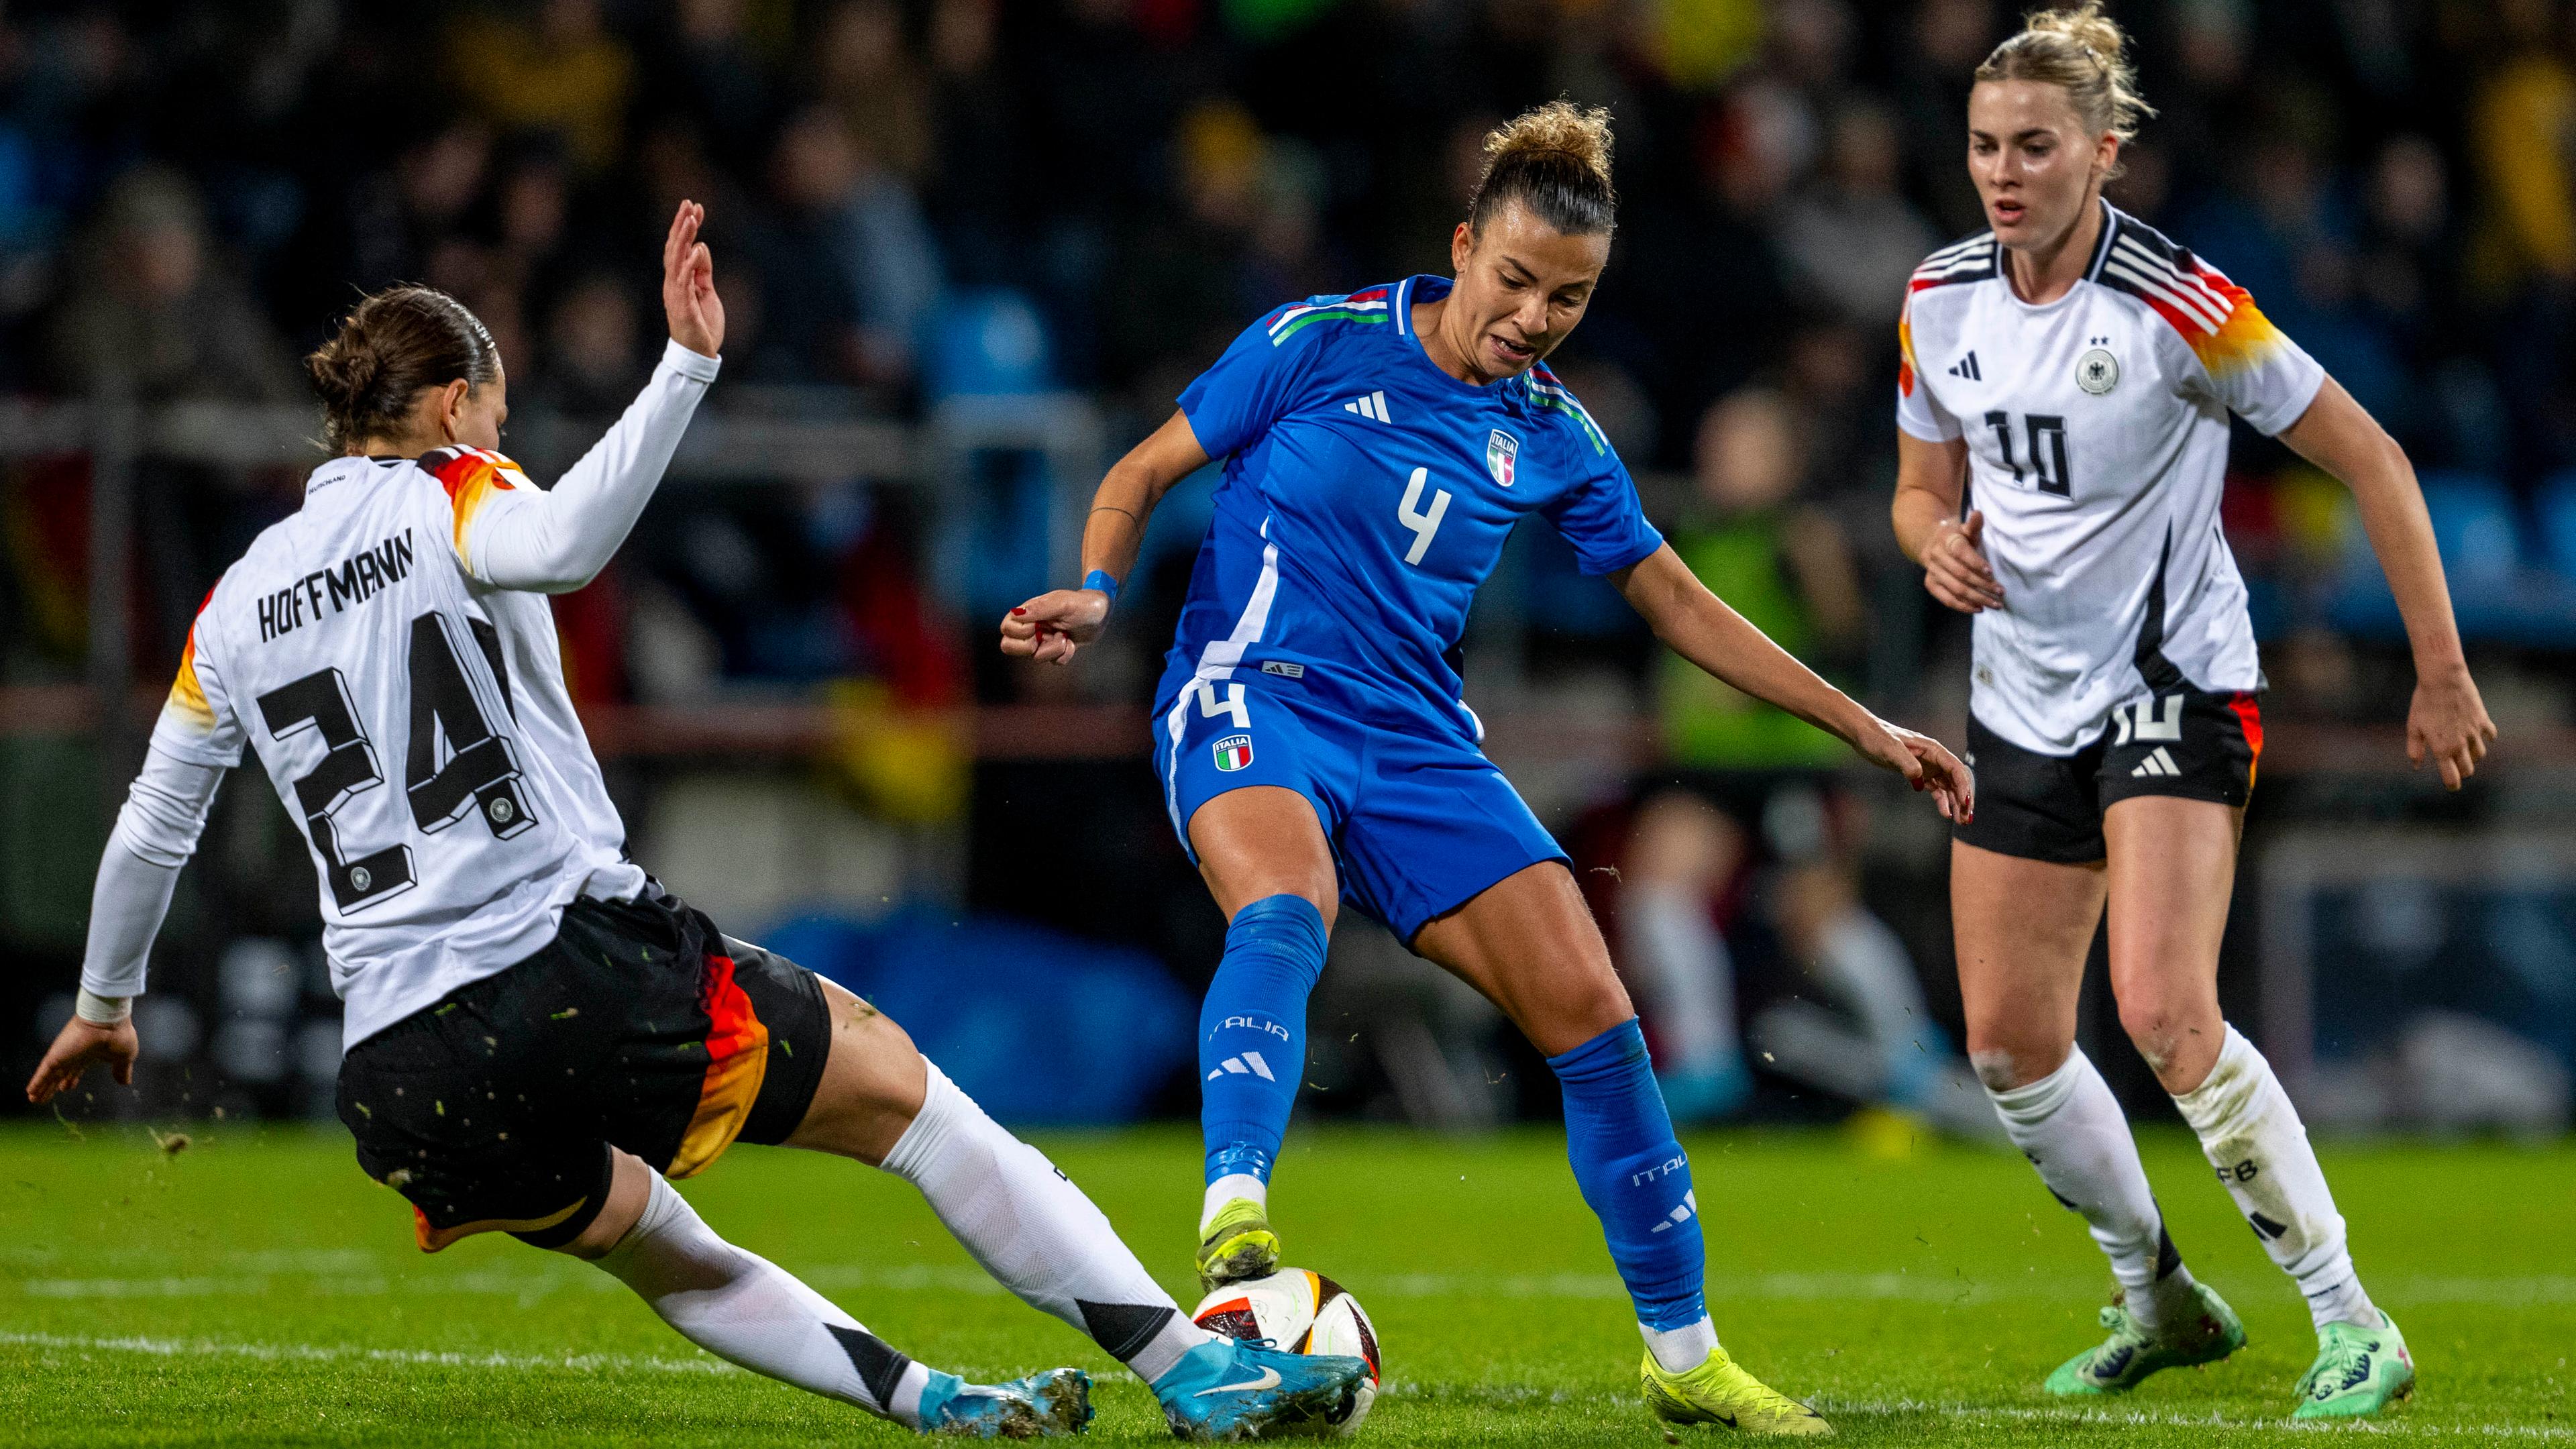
{"points": [[2190, 743], [638, 1027]]}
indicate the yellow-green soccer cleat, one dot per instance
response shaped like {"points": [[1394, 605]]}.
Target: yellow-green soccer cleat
{"points": [[2358, 1372], [2121, 1362], [1720, 1393], [1237, 1244]]}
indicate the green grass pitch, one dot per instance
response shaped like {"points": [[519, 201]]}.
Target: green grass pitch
{"points": [[255, 1288]]}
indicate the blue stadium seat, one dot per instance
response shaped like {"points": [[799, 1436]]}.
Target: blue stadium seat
{"points": [[2498, 596], [2557, 516], [986, 342], [2473, 525]]}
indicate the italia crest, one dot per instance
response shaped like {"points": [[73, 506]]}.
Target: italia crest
{"points": [[1233, 752], [1502, 456]]}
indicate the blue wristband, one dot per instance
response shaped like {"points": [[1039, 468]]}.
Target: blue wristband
{"points": [[1100, 579]]}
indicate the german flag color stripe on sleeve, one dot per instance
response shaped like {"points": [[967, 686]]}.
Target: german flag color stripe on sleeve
{"points": [[188, 692], [2218, 318], [470, 476]]}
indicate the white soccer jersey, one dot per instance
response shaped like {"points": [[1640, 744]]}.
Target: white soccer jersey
{"points": [[415, 723], [2097, 448]]}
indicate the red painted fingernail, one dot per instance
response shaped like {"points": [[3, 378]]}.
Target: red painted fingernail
{"points": [[1017, 612]]}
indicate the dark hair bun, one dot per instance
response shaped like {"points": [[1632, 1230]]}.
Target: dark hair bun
{"points": [[1554, 159], [392, 345]]}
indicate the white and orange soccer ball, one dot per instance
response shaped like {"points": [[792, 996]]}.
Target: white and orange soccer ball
{"points": [[1302, 1312]]}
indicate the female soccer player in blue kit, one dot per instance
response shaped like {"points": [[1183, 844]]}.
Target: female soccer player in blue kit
{"points": [[1310, 736]]}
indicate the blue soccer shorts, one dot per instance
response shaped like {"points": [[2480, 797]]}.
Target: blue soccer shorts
{"points": [[1419, 824]]}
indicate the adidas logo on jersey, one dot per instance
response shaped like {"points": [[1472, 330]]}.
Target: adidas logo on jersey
{"points": [[1373, 407], [2157, 765], [1967, 367]]}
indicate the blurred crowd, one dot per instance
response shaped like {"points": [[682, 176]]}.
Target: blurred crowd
{"points": [[913, 201], [191, 192]]}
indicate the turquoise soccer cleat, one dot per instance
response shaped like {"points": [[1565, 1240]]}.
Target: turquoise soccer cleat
{"points": [[2121, 1362], [1049, 1405], [2358, 1372], [1233, 1389]]}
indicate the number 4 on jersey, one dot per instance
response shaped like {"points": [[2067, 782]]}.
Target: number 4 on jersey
{"points": [[478, 766], [1424, 524]]}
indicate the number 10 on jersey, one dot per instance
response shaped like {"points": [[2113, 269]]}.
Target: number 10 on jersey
{"points": [[2047, 450]]}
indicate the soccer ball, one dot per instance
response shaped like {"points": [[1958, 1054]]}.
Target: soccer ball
{"points": [[1301, 1312]]}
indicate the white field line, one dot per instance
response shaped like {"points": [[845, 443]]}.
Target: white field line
{"points": [[1498, 1396], [337, 1352], [267, 1275], [2401, 1426]]}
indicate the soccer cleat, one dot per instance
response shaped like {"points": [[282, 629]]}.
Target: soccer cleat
{"points": [[1049, 1405], [1720, 1392], [1237, 1244], [2121, 1362], [2358, 1372], [1229, 1389]]}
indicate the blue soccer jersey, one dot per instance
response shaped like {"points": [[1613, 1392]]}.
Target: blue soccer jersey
{"points": [[1366, 494]]}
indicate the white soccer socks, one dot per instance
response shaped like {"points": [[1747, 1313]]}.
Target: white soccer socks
{"points": [[1035, 1232], [745, 1309], [2070, 1127], [2253, 1137]]}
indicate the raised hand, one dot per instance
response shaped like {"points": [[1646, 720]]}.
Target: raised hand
{"points": [[1955, 570], [1053, 625], [689, 299], [79, 1046]]}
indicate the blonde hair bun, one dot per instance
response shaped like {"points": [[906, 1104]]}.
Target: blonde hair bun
{"points": [[2083, 50]]}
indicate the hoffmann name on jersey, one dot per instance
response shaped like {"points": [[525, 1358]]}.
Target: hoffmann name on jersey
{"points": [[415, 722], [2096, 428]]}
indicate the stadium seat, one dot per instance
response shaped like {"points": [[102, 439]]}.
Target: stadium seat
{"points": [[986, 342], [2556, 507]]}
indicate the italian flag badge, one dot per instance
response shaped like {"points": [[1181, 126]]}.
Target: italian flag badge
{"points": [[1234, 752]]}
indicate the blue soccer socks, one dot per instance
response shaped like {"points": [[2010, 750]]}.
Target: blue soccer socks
{"points": [[1633, 1174], [1252, 1033]]}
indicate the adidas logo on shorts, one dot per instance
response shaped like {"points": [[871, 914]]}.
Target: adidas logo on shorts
{"points": [[2156, 765]]}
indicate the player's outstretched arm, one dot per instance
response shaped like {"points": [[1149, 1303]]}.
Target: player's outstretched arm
{"points": [[2447, 723], [558, 541], [1700, 627], [1056, 623], [155, 834]]}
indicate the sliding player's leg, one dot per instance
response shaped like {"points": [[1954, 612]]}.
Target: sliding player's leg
{"points": [[1528, 943], [881, 1102], [1263, 854], [2173, 866], [746, 1310], [2023, 928]]}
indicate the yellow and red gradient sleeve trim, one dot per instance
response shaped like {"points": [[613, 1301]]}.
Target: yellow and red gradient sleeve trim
{"points": [[188, 692], [2242, 339], [1905, 340], [470, 476], [737, 1061]]}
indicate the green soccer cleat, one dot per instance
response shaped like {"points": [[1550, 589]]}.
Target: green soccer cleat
{"points": [[1237, 1244], [2121, 1362], [1719, 1392], [2358, 1372]]}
